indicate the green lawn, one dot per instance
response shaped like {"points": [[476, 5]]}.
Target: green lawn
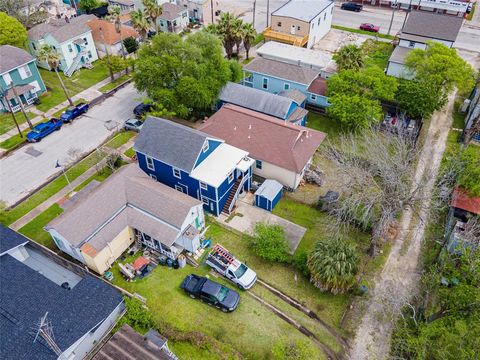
{"points": [[7, 123], [79, 81], [14, 141], [112, 85], [251, 329], [34, 229], [363, 32], [98, 176], [458, 117], [129, 152], [377, 53], [120, 139], [9, 217], [325, 124]]}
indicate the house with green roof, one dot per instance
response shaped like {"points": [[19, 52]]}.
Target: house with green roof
{"points": [[18, 67]]}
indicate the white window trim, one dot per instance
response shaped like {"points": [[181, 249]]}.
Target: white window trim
{"points": [[179, 188], [313, 97], [205, 146], [203, 186], [258, 162], [230, 177], [152, 165], [205, 200], [174, 169], [263, 83]]}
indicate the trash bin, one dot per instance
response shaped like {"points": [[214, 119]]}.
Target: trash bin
{"points": [[162, 260], [182, 261], [169, 262]]}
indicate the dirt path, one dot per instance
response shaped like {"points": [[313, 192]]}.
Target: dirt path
{"points": [[399, 278]]}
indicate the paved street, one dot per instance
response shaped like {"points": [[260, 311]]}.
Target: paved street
{"points": [[32, 165], [468, 38]]}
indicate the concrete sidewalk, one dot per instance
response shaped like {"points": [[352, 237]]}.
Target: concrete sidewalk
{"points": [[87, 94], [64, 192]]}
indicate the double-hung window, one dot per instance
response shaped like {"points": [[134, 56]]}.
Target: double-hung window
{"points": [[203, 186], [205, 146], [150, 163], [205, 200], [177, 173], [313, 96], [258, 164], [230, 177], [286, 86], [265, 83]]}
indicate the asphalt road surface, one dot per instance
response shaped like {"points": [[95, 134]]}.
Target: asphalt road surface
{"points": [[32, 165]]}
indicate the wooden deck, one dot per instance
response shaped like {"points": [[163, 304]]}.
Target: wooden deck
{"points": [[291, 39]]}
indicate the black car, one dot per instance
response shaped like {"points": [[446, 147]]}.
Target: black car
{"points": [[210, 292], [142, 109], [350, 6]]}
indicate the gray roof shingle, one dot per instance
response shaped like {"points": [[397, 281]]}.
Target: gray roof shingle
{"points": [[282, 70], [12, 57], [10, 239], [171, 11], [399, 54], [171, 143], [269, 189], [294, 94], [438, 26], [60, 29], [255, 99]]}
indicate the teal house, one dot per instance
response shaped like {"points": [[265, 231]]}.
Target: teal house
{"points": [[18, 67]]}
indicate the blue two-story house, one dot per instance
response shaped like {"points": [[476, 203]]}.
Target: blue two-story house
{"points": [[194, 163], [277, 76], [18, 67], [282, 106]]}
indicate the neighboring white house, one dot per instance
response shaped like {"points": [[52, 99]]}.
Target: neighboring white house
{"points": [[70, 37], [200, 10], [420, 28], [107, 39], [129, 206], [301, 22], [174, 18], [282, 151]]}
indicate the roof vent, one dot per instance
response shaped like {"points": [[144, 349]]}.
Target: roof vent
{"points": [[66, 286], [250, 127], [234, 128]]}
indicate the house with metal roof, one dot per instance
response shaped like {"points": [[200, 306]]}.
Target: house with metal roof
{"points": [[268, 194], [70, 37], [300, 22], [18, 67], [129, 206], [420, 28], [276, 76], [282, 151], [50, 308], [282, 107], [194, 163]]}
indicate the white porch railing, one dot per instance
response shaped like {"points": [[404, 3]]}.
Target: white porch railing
{"points": [[16, 108], [31, 100]]}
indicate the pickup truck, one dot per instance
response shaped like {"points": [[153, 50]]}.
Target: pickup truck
{"points": [[41, 130], [223, 262], [74, 112], [211, 292]]}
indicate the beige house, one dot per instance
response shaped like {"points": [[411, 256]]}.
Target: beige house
{"points": [[200, 10], [129, 206]]}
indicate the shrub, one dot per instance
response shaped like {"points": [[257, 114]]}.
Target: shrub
{"points": [[300, 262], [293, 350], [137, 316], [333, 265], [269, 242]]}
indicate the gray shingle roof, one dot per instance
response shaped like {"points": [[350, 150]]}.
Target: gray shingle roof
{"points": [[171, 143], [131, 186], [304, 10], [60, 29], [255, 99], [294, 94], [10, 239], [26, 295], [438, 26], [12, 57], [171, 11], [282, 70], [399, 54]]}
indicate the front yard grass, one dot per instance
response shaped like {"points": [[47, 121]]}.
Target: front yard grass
{"points": [[34, 229], [99, 176], [10, 216], [7, 123], [120, 139], [14, 141], [112, 85], [251, 329], [325, 124], [129, 152], [79, 81]]}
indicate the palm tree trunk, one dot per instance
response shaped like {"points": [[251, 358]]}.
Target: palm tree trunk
{"points": [[63, 87]]}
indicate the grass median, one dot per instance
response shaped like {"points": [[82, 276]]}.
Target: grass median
{"points": [[120, 139], [7, 123], [363, 32], [112, 85], [34, 229]]}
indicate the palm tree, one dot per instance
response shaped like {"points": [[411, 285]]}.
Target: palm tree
{"points": [[52, 58], [349, 57], [114, 12], [225, 28], [333, 265], [249, 35], [140, 23], [153, 10], [237, 33]]}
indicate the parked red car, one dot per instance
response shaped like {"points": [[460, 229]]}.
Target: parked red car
{"points": [[369, 27]]}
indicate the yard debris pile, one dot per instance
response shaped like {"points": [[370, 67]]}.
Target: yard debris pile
{"points": [[314, 175]]}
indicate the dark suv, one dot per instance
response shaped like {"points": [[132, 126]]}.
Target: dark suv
{"points": [[350, 6], [211, 292], [142, 109]]}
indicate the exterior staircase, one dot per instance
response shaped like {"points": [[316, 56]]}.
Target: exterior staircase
{"points": [[75, 65], [231, 196]]}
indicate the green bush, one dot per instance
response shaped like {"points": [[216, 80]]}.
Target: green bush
{"points": [[269, 242], [138, 316], [300, 262], [293, 350]]}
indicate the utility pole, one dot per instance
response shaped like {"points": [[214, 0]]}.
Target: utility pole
{"points": [[393, 14], [254, 6], [211, 9], [268, 11], [118, 29], [5, 93], [108, 55], [21, 105], [406, 14]]}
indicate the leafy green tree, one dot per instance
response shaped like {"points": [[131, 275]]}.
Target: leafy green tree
{"points": [[226, 28], [469, 175], [12, 31], [333, 265], [293, 350], [117, 63], [137, 316], [140, 23], [249, 35], [184, 76], [419, 99], [441, 67], [355, 96], [131, 45], [269, 242], [52, 58], [153, 10], [349, 57], [88, 5]]}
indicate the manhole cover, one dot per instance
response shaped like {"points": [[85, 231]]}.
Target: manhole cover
{"points": [[111, 124], [33, 152]]}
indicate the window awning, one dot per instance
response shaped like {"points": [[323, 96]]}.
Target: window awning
{"points": [[22, 89]]}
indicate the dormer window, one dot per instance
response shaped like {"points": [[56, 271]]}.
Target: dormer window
{"points": [[205, 146]]}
